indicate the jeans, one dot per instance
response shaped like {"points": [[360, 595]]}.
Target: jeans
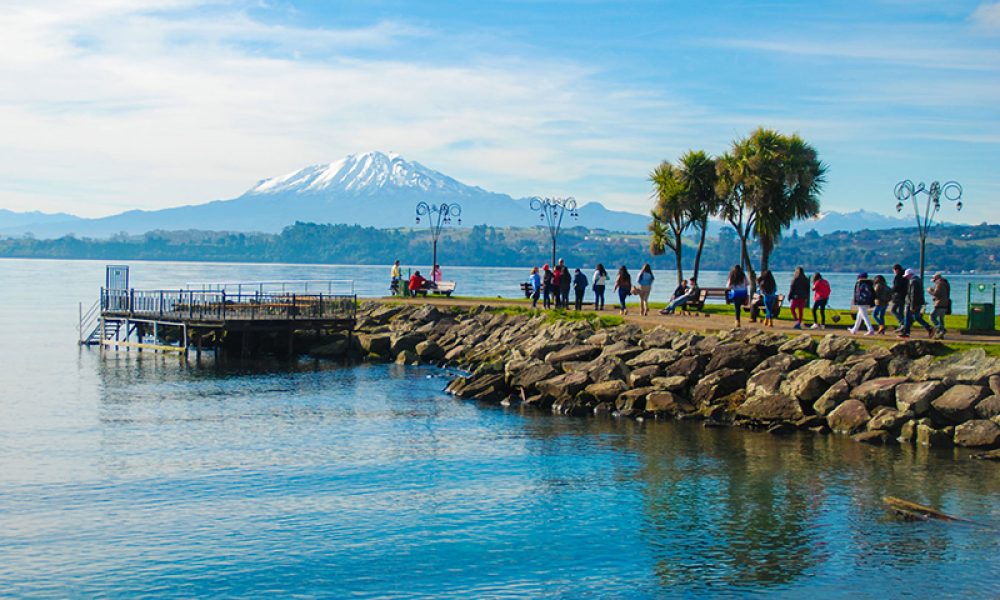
{"points": [[896, 308], [820, 305], [598, 297], [769, 302], [534, 297], [622, 295], [937, 317], [546, 296], [564, 296], [678, 301], [579, 292], [914, 317], [878, 315]]}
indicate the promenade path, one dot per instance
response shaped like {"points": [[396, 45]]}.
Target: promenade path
{"points": [[707, 322]]}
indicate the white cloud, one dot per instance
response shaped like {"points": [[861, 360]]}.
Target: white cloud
{"points": [[987, 16]]}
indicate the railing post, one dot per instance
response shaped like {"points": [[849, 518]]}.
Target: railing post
{"points": [[131, 301], [222, 305], [161, 303]]}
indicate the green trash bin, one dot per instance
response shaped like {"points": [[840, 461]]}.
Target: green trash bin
{"points": [[982, 315]]}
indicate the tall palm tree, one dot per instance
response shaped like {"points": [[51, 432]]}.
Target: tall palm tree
{"points": [[670, 213], [698, 174], [734, 191]]}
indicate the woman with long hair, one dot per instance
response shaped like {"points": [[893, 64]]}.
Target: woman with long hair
{"points": [[645, 282], [821, 297], [736, 289], [600, 282], [798, 296], [769, 294], [623, 285]]}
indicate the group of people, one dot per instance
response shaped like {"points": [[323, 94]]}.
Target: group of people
{"points": [[904, 299], [553, 285], [417, 282]]}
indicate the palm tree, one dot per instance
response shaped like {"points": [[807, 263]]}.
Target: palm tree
{"points": [[670, 214], [734, 195], [698, 174]]}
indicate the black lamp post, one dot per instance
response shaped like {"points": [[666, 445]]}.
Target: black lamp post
{"points": [[438, 215], [551, 212], [906, 190]]}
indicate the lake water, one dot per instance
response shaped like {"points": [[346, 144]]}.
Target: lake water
{"points": [[138, 476]]}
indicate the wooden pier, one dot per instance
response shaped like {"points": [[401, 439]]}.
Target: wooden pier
{"points": [[234, 315]]}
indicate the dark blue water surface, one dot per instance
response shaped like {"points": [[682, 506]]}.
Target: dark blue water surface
{"points": [[138, 476]]}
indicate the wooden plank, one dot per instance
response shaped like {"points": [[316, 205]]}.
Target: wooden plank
{"points": [[160, 347]]}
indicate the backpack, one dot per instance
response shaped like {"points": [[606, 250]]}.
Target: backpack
{"points": [[866, 293]]}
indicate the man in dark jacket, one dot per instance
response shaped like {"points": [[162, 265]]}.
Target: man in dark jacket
{"points": [[914, 305], [565, 282], [897, 305], [579, 287], [940, 291]]}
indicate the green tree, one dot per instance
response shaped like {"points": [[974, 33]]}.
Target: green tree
{"points": [[698, 175], [670, 213]]}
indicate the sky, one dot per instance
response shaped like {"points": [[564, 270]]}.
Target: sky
{"points": [[111, 105]]}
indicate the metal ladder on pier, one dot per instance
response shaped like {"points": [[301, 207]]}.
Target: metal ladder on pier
{"points": [[92, 330]]}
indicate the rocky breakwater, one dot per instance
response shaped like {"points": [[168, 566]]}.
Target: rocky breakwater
{"points": [[911, 392]]}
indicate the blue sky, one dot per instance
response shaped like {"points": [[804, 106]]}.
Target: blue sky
{"points": [[116, 104]]}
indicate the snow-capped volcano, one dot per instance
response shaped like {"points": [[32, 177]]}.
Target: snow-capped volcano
{"points": [[368, 172]]}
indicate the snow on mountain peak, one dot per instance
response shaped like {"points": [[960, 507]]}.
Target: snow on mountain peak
{"points": [[365, 172]]}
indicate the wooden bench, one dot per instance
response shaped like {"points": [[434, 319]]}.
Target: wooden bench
{"points": [[757, 306], [527, 289], [443, 288], [704, 294]]}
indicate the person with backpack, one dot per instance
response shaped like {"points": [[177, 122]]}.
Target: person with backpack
{"points": [[600, 283], [941, 293], [914, 305], [897, 304], [798, 296], [864, 297], [883, 294], [821, 298]]}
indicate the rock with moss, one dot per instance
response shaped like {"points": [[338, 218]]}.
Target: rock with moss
{"points": [[836, 347], [878, 392], [958, 402], [851, 416], [832, 397], [978, 433]]}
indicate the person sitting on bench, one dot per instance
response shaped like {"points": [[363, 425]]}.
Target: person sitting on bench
{"points": [[690, 293], [417, 284]]}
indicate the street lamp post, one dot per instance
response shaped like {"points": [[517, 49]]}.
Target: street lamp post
{"points": [[438, 215], [551, 211], [907, 191]]}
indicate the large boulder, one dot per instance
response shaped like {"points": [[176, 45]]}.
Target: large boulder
{"points": [[888, 419], [771, 407], [659, 337], [569, 384], [604, 369], [642, 376], [691, 367], [917, 397], [653, 356], [718, 384], [621, 350], [631, 400], [835, 347], [765, 383], [929, 436], [572, 353], [878, 392], [807, 383], [801, 343], [978, 433], [957, 404], [736, 355], [676, 384], [663, 403], [972, 366], [832, 397], [917, 348], [429, 351], [379, 344], [606, 391], [785, 362], [849, 417], [988, 407], [405, 341], [531, 377], [865, 369]]}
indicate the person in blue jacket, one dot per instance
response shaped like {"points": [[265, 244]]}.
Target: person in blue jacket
{"points": [[536, 286], [579, 287]]}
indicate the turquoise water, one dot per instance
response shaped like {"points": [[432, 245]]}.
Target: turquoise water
{"points": [[138, 476]]}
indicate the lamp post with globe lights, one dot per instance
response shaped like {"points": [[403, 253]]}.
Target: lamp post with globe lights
{"points": [[907, 191], [551, 212], [438, 215]]}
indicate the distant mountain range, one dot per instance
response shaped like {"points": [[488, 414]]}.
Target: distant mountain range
{"points": [[370, 189]]}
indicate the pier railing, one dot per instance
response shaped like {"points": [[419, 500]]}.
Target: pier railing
{"points": [[220, 305]]}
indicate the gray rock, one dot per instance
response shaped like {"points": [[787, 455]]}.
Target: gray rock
{"points": [[773, 407], [971, 366], [379, 344], [653, 356], [878, 392], [876, 438], [736, 355], [569, 384], [642, 376], [604, 369], [659, 337], [832, 397], [691, 367], [866, 369], [765, 383], [429, 351], [455, 354], [572, 353], [406, 341], [676, 384], [633, 399], [918, 348], [957, 404], [807, 383], [529, 378], [606, 391], [801, 343], [917, 397], [888, 419], [785, 362], [988, 407], [835, 347], [332, 349], [978, 433], [718, 384], [928, 436], [622, 350], [849, 417], [994, 383]]}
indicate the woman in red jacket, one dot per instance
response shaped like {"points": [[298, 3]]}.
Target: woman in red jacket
{"points": [[821, 296]]}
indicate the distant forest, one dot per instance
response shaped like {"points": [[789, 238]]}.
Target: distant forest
{"points": [[952, 248]]}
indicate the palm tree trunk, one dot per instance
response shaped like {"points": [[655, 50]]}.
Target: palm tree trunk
{"points": [[701, 246]]}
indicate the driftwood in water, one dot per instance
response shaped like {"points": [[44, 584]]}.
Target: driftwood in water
{"points": [[912, 511]]}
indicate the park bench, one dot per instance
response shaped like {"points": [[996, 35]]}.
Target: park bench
{"points": [[704, 294], [443, 288]]}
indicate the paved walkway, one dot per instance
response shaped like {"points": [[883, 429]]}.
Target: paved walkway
{"points": [[707, 322]]}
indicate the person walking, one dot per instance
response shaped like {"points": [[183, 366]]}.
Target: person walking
{"points": [[798, 297], [864, 297], [821, 298], [900, 286], [769, 294], [536, 286], [394, 276], [600, 283], [579, 287], [940, 291], [645, 288], [914, 305], [565, 283], [736, 289], [547, 286], [883, 295], [623, 285]]}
